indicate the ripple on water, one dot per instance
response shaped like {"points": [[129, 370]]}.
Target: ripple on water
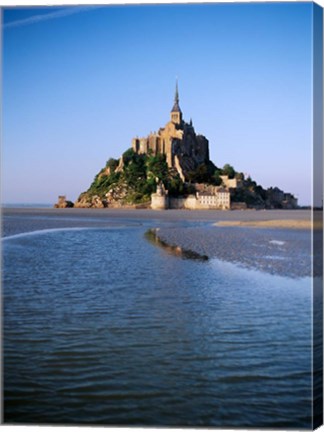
{"points": [[102, 327], [252, 248]]}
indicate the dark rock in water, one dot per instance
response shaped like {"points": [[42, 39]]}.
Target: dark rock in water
{"points": [[152, 236]]}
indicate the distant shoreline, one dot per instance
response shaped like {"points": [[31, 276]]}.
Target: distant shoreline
{"points": [[49, 217]]}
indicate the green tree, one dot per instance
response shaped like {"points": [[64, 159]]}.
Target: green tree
{"points": [[128, 155], [135, 171], [216, 179], [239, 176], [229, 171], [157, 166], [112, 164], [174, 184]]}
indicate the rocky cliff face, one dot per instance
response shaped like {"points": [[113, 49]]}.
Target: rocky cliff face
{"points": [[86, 200], [190, 152]]}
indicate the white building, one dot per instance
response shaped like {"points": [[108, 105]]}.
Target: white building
{"points": [[220, 199]]}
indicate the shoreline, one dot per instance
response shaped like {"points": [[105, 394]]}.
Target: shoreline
{"points": [[299, 219], [217, 215]]}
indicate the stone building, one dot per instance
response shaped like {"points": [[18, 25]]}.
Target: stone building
{"points": [[280, 199], [221, 199], [233, 183], [183, 148], [289, 201], [160, 200]]}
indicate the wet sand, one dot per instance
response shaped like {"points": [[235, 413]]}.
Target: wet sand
{"points": [[168, 215], [246, 238], [279, 223], [276, 251], [18, 220]]}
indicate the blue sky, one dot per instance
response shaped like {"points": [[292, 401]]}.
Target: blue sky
{"points": [[79, 83]]}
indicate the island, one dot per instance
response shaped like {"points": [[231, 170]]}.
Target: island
{"points": [[171, 169]]}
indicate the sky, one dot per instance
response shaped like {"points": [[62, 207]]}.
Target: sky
{"points": [[80, 82]]}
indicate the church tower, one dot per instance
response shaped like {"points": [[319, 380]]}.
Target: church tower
{"points": [[176, 114]]}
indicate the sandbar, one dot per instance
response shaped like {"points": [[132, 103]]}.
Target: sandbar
{"points": [[274, 223]]}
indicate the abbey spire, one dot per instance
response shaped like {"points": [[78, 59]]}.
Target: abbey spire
{"points": [[176, 114], [184, 150]]}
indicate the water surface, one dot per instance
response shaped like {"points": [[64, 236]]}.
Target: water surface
{"points": [[102, 327]]}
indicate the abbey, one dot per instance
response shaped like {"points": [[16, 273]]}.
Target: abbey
{"points": [[183, 148], [186, 179]]}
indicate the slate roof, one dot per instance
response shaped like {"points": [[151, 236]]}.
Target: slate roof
{"points": [[176, 107]]}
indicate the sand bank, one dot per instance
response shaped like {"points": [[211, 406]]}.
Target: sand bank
{"points": [[275, 223]]}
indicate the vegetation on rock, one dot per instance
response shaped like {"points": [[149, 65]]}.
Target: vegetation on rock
{"points": [[133, 178]]}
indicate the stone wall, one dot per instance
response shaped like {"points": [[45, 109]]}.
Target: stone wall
{"points": [[231, 183], [159, 202], [187, 203]]}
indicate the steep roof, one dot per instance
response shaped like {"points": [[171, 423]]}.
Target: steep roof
{"points": [[176, 107]]}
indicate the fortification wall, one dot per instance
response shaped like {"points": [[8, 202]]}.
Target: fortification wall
{"points": [[159, 202], [186, 203], [189, 202], [231, 183]]}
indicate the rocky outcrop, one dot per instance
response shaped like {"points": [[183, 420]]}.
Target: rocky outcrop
{"points": [[87, 201], [116, 194], [63, 202], [179, 158], [114, 197]]}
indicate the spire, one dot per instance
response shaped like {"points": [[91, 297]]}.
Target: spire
{"points": [[176, 96], [176, 107]]}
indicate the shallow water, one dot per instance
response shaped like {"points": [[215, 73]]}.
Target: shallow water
{"points": [[102, 327], [285, 252]]}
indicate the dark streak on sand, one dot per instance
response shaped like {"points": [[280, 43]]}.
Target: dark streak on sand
{"points": [[194, 234], [152, 236]]}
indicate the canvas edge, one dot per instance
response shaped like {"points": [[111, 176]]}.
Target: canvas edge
{"points": [[317, 215]]}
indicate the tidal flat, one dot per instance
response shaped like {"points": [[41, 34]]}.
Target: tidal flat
{"points": [[122, 332], [274, 241], [47, 218]]}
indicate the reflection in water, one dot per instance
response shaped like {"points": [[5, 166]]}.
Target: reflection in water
{"points": [[102, 327]]}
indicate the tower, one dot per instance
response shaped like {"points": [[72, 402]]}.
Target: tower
{"points": [[176, 114]]}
